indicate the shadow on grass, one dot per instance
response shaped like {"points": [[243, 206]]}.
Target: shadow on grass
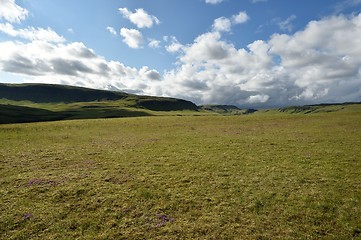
{"points": [[21, 114]]}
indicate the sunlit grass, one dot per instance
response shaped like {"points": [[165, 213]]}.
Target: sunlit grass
{"points": [[265, 176]]}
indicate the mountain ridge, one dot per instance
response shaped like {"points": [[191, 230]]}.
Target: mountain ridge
{"points": [[53, 93]]}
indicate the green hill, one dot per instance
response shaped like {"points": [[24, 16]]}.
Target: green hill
{"points": [[46, 102], [20, 114], [47, 93]]}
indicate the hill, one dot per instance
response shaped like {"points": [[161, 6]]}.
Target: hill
{"points": [[48, 93], [227, 109], [317, 108], [46, 102]]}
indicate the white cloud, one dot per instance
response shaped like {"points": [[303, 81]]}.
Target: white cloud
{"points": [[31, 33], [140, 17], [214, 1], [258, 99], [286, 25], [256, 1], [207, 47], [12, 12], [222, 24], [149, 74], [324, 59], [132, 37], [345, 4], [175, 46], [72, 64], [153, 43], [241, 17], [321, 63], [112, 30]]}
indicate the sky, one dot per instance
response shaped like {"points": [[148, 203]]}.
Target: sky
{"points": [[248, 53]]}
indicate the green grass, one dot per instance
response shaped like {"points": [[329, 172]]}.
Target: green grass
{"points": [[264, 176], [26, 111]]}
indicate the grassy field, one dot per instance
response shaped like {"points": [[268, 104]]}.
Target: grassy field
{"points": [[264, 176]]}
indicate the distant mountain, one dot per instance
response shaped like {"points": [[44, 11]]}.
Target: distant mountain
{"points": [[317, 108], [226, 109]]}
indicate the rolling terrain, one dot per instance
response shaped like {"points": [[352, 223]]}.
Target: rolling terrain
{"points": [[21, 103], [44, 102]]}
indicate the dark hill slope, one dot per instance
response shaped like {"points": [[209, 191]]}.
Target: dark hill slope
{"points": [[46, 93], [20, 114], [165, 104]]}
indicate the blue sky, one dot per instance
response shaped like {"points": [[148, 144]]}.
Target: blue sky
{"points": [[257, 53]]}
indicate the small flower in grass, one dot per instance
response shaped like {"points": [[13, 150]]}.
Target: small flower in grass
{"points": [[28, 215], [162, 219], [34, 181], [39, 181]]}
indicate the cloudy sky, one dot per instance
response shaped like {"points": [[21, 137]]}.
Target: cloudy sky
{"points": [[258, 53]]}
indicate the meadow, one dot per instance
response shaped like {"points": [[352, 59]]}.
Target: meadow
{"points": [[269, 175]]}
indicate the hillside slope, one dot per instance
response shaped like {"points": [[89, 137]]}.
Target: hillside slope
{"points": [[47, 93], [46, 102]]}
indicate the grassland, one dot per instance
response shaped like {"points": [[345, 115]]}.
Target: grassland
{"points": [[269, 175]]}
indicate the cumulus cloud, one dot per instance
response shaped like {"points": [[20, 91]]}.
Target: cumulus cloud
{"points": [[149, 74], [207, 47], [345, 4], [241, 17], [287, 25], [321, 63], [12, 12], [324, 59], [112, 30], [175, 46], [214, 1], [153, 43], [31, 33], [256, 1], [42, 58], [132, 37], [258, 99], [140, 17], [224, 24], [72, 64]]}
